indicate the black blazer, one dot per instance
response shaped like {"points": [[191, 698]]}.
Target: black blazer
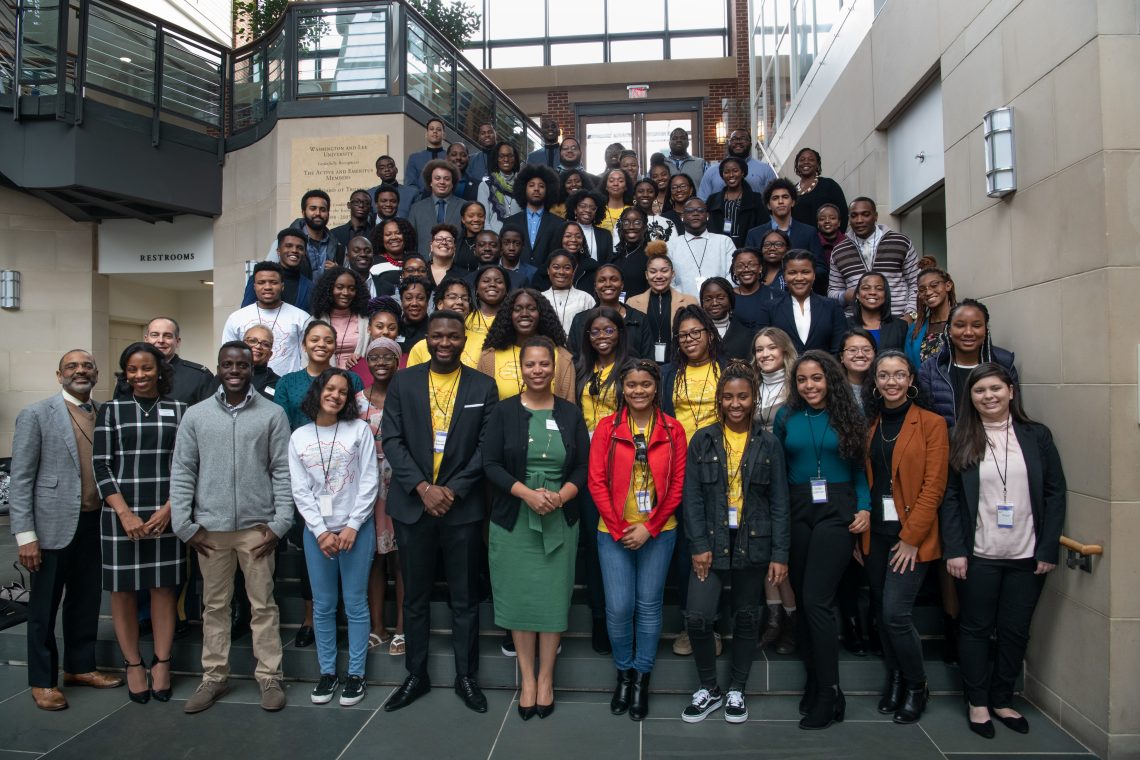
{"points": [[549, 237], [958, 516], [408, 440], [504, 455], [892, 333], [751, 213], [828, 323], [737, 341]]}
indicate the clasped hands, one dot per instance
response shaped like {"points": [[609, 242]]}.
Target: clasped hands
{"points": [[541, 501]]}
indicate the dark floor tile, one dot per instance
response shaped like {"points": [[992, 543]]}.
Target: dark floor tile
{"points": [[6, 754], [13, 680], [774, 740], [580, 730], [945, 722], [763, 708], [27, 728], [1017, 756]]}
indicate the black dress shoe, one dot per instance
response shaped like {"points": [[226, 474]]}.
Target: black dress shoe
{"points": [[913, 704], [984, 730], [304, 637], [526, 713], [412, 689], [639, 696], [1020, 724], [544, 711], [472, 695], [619, 704], [600, 637]]}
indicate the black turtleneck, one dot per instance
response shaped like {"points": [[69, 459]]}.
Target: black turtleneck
{"points": [[882, 455]]}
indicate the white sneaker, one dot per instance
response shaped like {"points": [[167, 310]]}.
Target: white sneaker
{"points": [[735, 710], [704, 702]]}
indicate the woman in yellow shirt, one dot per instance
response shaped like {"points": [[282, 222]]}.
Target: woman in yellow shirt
{"points": [[618, 189], [689, 381], [523, 314], [453, 294]]}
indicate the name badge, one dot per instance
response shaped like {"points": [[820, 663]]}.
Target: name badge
{"points": [[552, 424], [890, 514], [440, 441], [399, 338], [818, 491], [270, 391], [644, 502], [621, 297], [326, 503], [659, 352], [1005, 515], [165, 412], [733, 517], [728, 226]]}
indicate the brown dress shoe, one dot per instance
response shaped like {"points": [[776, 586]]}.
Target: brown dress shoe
{"points": [[49, 699], [94, 679]]}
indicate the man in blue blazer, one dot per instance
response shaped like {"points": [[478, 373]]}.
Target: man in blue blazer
{"points": [[441, 206], [780, 198]]}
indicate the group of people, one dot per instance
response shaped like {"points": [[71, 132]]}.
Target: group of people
{"points": [[770, 409]]}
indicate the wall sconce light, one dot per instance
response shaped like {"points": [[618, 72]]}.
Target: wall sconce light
{"points": [[9, 289], [997, 132], [721, 133]]}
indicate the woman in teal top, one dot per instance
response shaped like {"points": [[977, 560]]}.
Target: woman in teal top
{"points": [[822, 431], [319, 345]]}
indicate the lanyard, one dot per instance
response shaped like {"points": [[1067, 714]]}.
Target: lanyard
{"points": [[261, 321], [693, 256], [885, 457], [435, 396], [704, 387], [1002, 474], [817, 447], [321, 452]]}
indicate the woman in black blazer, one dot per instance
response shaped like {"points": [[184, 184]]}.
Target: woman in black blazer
{"points": [[750, 210], [827, 324], [873, 313], [535, 452], [718, 299], [1001, 525]]}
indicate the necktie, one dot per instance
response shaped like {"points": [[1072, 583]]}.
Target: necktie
{"points": [[87, 408], [435, 152], [440, 205], [550, 157]]}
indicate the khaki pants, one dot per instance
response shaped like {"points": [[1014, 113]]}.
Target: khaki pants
{"points": [[230, 550]]}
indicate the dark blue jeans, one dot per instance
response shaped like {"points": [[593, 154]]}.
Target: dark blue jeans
{"points": [[892, 602], [635, 587]]}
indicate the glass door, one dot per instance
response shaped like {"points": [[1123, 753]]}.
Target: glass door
{"points": [[600, 132], [644, 132]]}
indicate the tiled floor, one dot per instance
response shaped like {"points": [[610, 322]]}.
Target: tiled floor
{"points": [[103, 724]]}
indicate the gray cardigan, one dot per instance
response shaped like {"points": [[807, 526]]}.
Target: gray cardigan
{"points": [[231, 470]]}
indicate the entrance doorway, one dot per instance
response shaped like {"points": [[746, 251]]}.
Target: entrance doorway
{"points": [[645, 131]]}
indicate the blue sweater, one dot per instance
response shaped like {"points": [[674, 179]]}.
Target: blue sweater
{"points": [[795, 431]]}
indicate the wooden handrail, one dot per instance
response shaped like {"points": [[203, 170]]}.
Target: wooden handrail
{"points": [[1089, 550]]}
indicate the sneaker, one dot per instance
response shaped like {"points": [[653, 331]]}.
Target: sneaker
{"points": [[272, 695], [704, 702], [207, 693], [682, 647], [353, 691], [508, 646], [735, 711], [323, 693]]}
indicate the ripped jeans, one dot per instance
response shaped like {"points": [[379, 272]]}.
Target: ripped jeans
{"points": [[746, 597]]}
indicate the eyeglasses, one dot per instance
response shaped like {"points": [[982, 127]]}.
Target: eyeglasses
{"points": [[385, 358], [774, 245], [868, 351], [603, 332], [701, 210], [633, 224], [443, 240], [898, 377], [255, 343], [691, 335], [927, 288], [360, 202]]}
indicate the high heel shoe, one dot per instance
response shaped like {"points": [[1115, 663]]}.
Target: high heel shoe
{"points": [[162, 695], [830, 707], [526, 713], [544, 711], [140, 697]]}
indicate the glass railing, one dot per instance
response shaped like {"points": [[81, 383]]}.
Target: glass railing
{"points": [[336, 52]]}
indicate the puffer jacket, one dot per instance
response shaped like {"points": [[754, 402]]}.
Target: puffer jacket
{"points": [[934, 378]]}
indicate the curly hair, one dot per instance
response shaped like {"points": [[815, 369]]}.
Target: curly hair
{"points": [[446, 284], [386, 304], [588, 355], [311, 403], [737, 254], [872, 403], [321, 302], [438, 163], [623, 249], [781, 183], [165, 381], [502, 333], [567, 175], [412, 282], [544, 173], [845, 417], [376, 237], [627, 194], [514, 150], [578, 196], [692, 311]]}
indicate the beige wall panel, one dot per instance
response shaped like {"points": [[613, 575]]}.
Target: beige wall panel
{"points": [[848, 116], [978, 252], [1118, 17], [1125, 698], [956, 161], [1119, 62], [1029, 321], [1122, 206], [1077, 105], [1124, 327], [1088, 520], [1078, 415], [1035, 136], [1121, 561], [1085, 314], [1039, 34], [1125, 442], [1058, 624], [971, 89], [904, 46]]}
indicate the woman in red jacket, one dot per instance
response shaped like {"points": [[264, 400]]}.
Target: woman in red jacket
{"points": [[637, 469]]}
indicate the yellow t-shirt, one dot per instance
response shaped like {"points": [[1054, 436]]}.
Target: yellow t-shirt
{"points": [[694, 398], [734, 445], [594, 408], [441, 396], [611, 217], [640, 479], [419, 353], [508, 371]]}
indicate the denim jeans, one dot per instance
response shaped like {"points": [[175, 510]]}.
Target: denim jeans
{"points": [[892, 601], [635, 584], [348, 571]]}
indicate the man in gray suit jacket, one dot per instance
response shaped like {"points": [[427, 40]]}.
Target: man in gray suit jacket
{"points": [[441, 177], [55, 518]]}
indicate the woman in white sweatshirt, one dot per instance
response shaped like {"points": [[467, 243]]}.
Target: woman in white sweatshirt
{"points": [[332, 465]]}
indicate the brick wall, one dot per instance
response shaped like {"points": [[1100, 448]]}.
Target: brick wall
{"points": [[558, 106], [736, 90]]}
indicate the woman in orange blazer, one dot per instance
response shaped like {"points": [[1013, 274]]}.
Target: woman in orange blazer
{"points": [[661, 302], [908, 453]]}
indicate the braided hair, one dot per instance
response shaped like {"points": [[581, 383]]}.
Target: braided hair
{"points": [[736, 369], [502, 333], [846, 419], [651, 369]]}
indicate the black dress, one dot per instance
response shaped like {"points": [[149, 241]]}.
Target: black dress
{"points": [[826, 190]]}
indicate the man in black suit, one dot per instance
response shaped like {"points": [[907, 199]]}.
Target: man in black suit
{"points": [[436, 500], [466, 188], [536, 190], [441, 206]]}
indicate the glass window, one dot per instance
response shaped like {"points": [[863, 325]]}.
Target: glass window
{"points": [[517, 56], [475, 56], [516, 21], [657, 133], [640, 16], [827, 13], [689, 14], [803, 38], [576, 17], [577, 52], [636, 50], [696, 47]]}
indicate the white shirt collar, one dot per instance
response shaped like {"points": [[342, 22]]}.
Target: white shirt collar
{"points": [[73, 400]]}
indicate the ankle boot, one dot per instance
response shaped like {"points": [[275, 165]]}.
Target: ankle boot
{"points": [[811, 693], [787, 641], [620, 702], [949, 640], [829, 708], [914, 703], [639, 696], [853, 637], [893, 693], [773, 627]]}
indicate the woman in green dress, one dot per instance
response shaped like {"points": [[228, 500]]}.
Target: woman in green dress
{"points": [[535, 451]]}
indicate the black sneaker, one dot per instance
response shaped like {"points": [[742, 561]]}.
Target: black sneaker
{"points": [[735, 710], [508, 646], [353, 691], [325, 689], [704, 702]]}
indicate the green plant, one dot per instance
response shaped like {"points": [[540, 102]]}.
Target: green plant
{"points": [[253, 18], [454, 19]]}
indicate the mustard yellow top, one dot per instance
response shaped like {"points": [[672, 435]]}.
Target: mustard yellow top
{"points": [[734, 445], [441, 392], [594, 408], [694, 398], [419, 353], [641, 479], [612, 215]]}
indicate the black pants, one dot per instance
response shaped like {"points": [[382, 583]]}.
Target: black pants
{"points": [[72, 574], [592, 569], [747, 598], [682, 565], [821, 549], [1001, 594], [420, 543], [892, 602]]}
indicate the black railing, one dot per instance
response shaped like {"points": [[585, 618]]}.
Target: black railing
{"points": [[359, 55]]}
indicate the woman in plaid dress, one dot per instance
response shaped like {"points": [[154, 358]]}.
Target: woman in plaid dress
{"points": [[132, 449]]}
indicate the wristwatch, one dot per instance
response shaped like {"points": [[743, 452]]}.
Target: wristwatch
{"points": [[912, 314]]}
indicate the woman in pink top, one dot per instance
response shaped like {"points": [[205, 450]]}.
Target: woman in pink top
{"points": [[340, 298]]}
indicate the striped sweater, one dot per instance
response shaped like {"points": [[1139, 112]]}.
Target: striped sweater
{"points": [[894, 258]]}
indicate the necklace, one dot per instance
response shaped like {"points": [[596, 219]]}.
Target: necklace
{"points": [[261, 321], [146, 412], [805, 190]]}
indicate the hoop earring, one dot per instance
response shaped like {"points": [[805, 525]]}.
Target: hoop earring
{"points": [[875, 392], [910, 388]]}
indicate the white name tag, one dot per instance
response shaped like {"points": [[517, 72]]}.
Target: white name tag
{"points": [[1005, 515], [472, 406], [165, 412], [326, 502], [644, 502], [733, 517], [399, 338], [818, 491], [890, 514], [728, 226], [659, 352], [440, 441], [269, 391], [551, 425]]}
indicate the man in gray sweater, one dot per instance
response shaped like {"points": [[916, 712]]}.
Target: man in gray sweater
{"points": [[230, 501]]}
